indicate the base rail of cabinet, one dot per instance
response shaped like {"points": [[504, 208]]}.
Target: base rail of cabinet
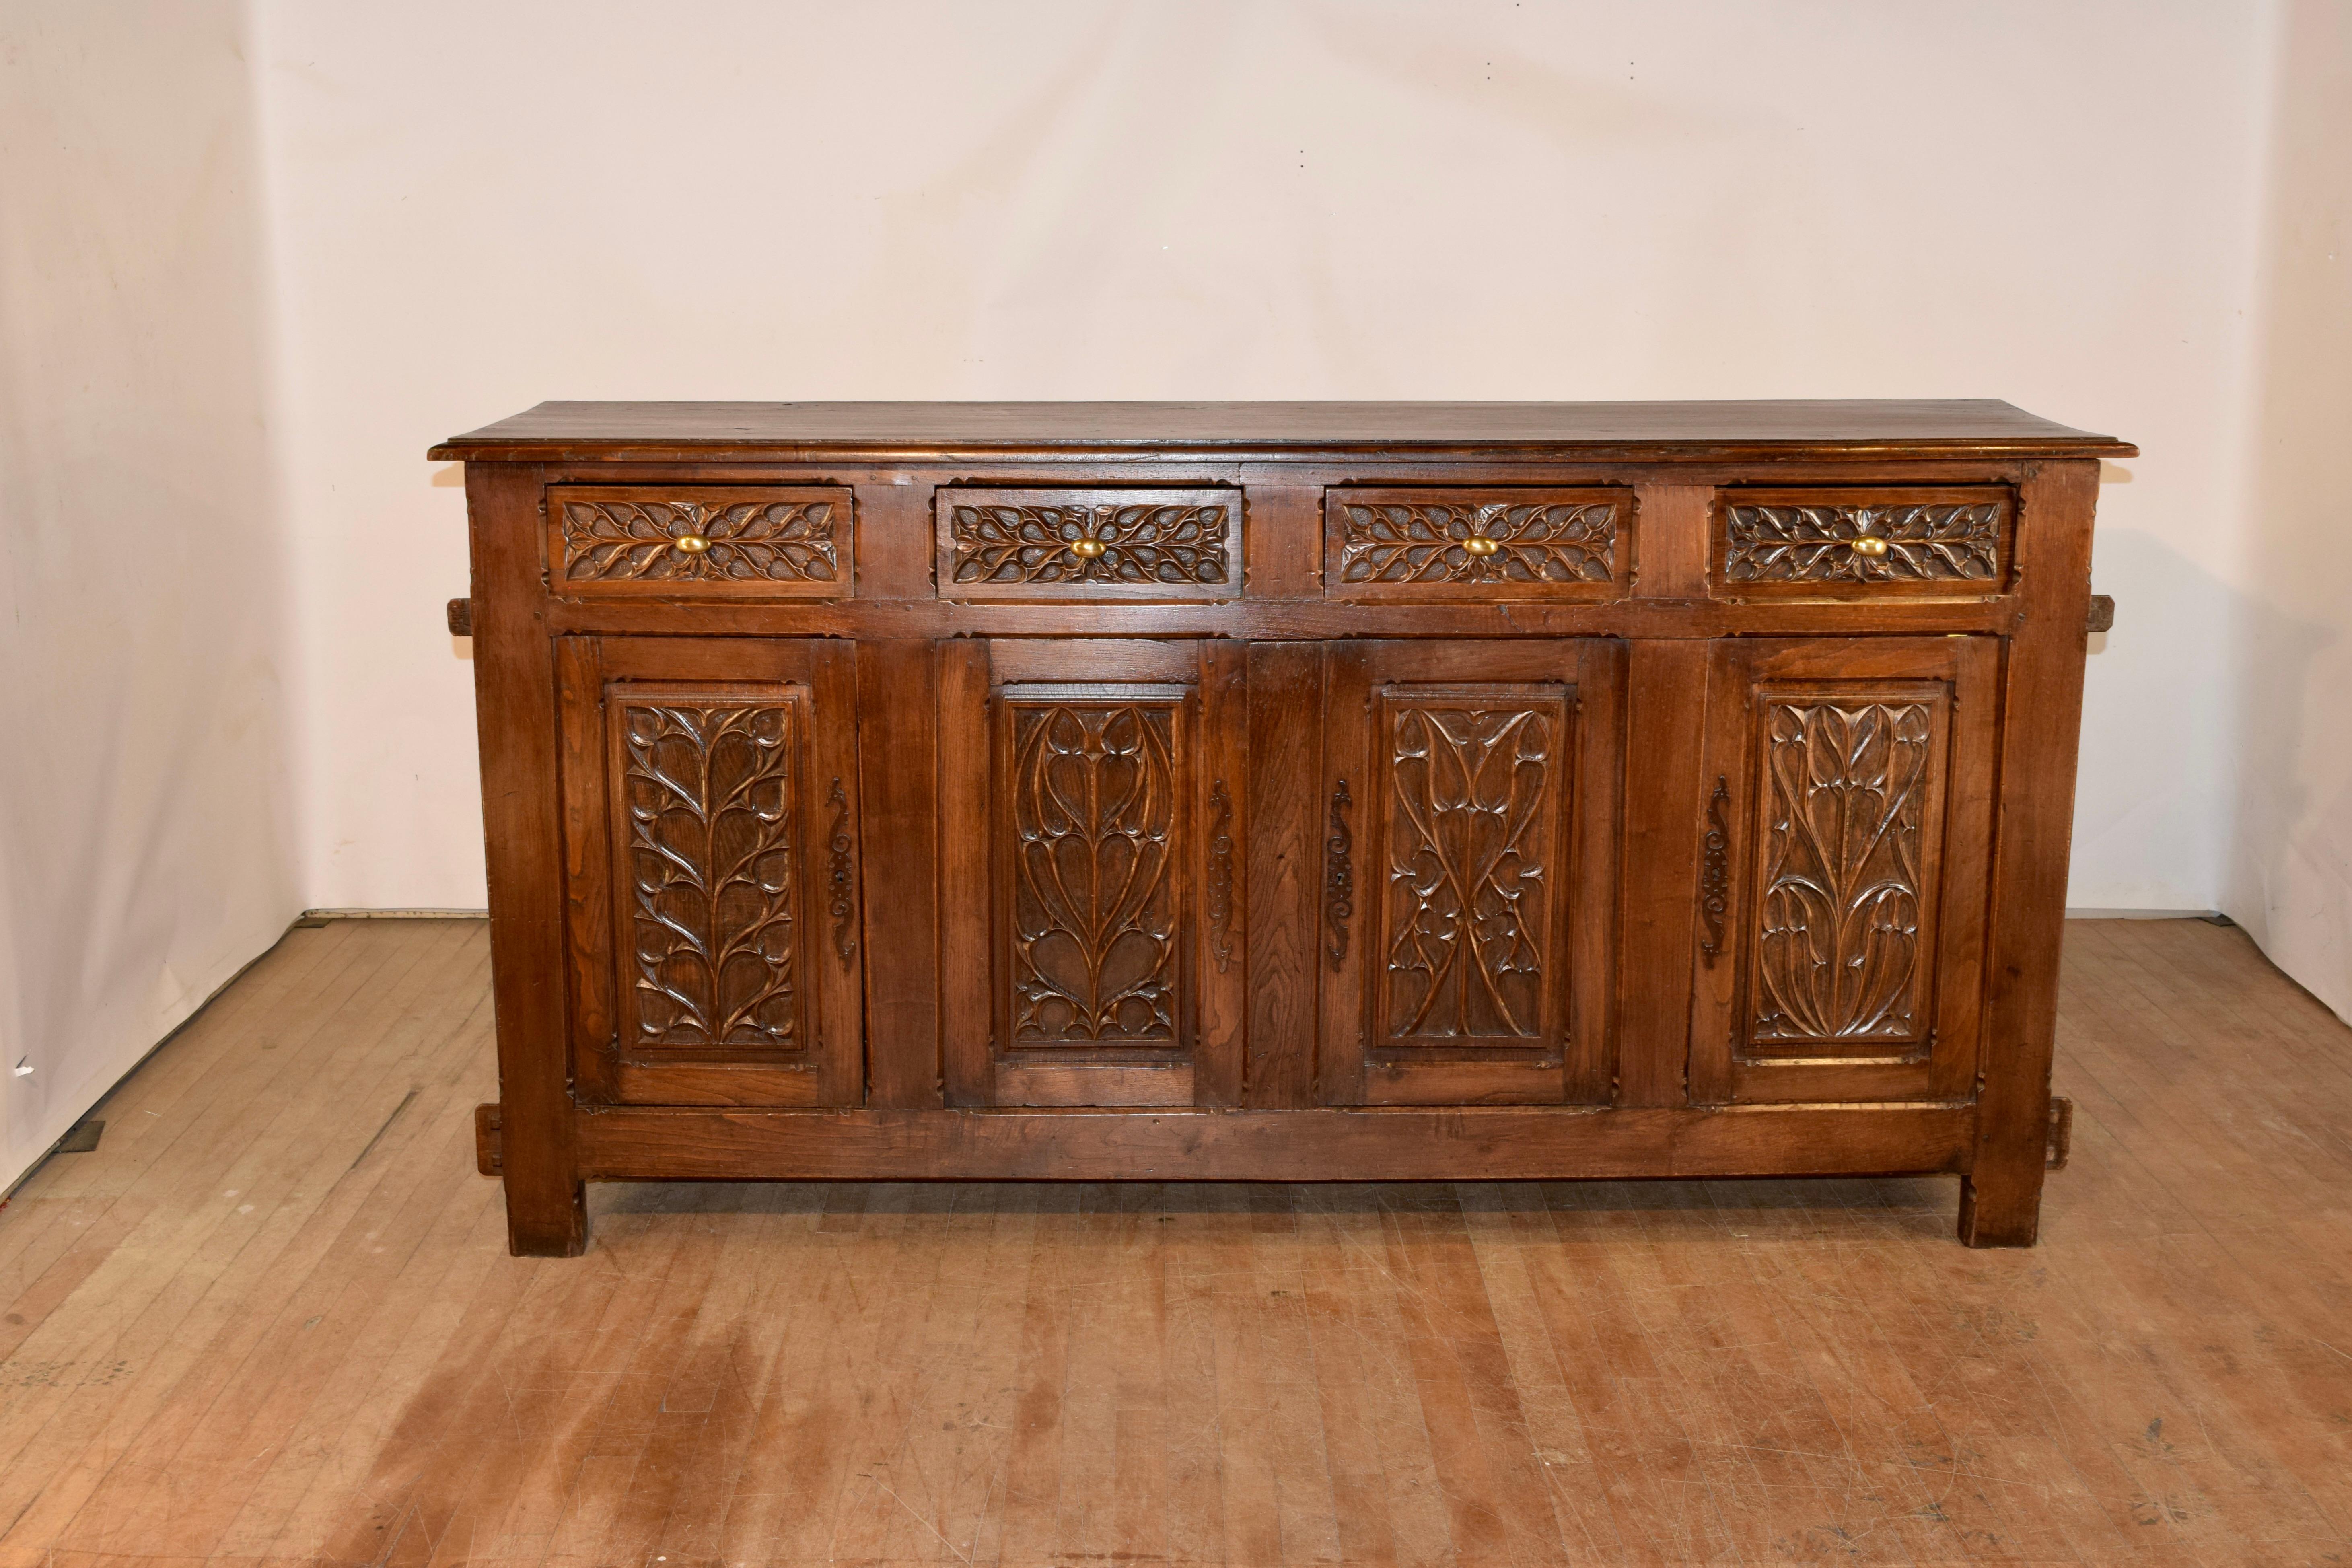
{"points": [[1382, 1145]]}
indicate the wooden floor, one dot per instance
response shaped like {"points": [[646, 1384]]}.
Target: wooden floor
{"points": [[271, 1318]]}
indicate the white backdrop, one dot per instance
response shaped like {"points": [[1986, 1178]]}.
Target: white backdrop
{"points": [[2120, 213], [2054, 204], [147, 850], [2289, 577]]}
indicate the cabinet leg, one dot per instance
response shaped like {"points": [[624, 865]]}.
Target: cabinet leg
{"points": [[546, 1217], [2000, 1202]]}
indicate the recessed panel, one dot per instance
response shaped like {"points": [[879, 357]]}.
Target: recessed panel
{"points": [[1846, 876], [708, 834], [1475, 777], [1836, 543], [1092, 846], [1081, 546], [1841, 899], [733, 541], [1450, 544]]}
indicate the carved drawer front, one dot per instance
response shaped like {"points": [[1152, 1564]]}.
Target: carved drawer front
{"points": [[740, 541], [1465, 942], [1426, 544], [1092, 859], [1833, 542], [1840, 901], [712, 839], [1076, 546]]}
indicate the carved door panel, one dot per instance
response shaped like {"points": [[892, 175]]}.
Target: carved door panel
{"points": [[1470, 792], [1090, 875], [1841, 902], [710, 846]]}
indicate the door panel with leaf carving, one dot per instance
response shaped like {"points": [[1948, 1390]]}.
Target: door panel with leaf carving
{"points": [[1469, 854], [1842, 911], [1092, 793], [710, 840]]}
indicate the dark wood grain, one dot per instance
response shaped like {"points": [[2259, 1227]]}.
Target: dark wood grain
{"points": [[1259, 621], [1222, 876], [686, 430], [966, 980], [1468, 765], [762, 542], [1393, 1143], [1282, 758], [514, 705], [1860, 541], [1671, 533], [1426, 544], [1666, 693], [1085, 544], [1284, 864], [2001, 1203], [626, 789], [1858, 824], [898, 729], [1596, 840]]}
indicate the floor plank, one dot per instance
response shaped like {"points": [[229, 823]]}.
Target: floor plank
{"points": [[270, 1321]]}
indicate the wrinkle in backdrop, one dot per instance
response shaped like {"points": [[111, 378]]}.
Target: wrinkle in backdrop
{"points": [[147, 845]]}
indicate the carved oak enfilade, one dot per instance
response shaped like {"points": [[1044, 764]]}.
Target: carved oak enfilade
{"points": [[708, 859], [1276, 791]]}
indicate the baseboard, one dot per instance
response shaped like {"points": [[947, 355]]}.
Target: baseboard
{"points": [[395, 914], [2212, 916]]}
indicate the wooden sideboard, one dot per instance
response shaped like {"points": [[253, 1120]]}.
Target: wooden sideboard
{"points": [[1276, 792]]}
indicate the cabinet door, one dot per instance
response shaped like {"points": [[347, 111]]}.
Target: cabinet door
{"points": [[710, 845], [1471, 799], [1843, 892], [1090, 872]]}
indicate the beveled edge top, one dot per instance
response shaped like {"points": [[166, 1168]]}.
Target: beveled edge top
{"points": [[1050, 431]]}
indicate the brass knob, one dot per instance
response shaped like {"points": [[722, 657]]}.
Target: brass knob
{"points": [[1479, 545], [1868, 544], [692, 543], [1086, 549]]}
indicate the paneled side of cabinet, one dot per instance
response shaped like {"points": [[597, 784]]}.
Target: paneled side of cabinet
{"points": [[1094, 804], [1472, 800], [711, 861], [1841, 901]]}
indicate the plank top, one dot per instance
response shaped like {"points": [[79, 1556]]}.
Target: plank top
{"points": [[706, 431]]}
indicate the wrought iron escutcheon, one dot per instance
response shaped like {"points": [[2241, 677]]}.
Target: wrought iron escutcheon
{"points": [[1340, 876], [843, 907], [1715, 870], [1221, 878]]}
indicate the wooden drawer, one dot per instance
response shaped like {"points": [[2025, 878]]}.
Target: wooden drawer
{"points": [[1831, 543], [1426, 543], [1082, 545], [746, 541]]}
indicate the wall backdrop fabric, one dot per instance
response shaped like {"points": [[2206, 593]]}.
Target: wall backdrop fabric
{"points": [[258, 257], [149, 841]]}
